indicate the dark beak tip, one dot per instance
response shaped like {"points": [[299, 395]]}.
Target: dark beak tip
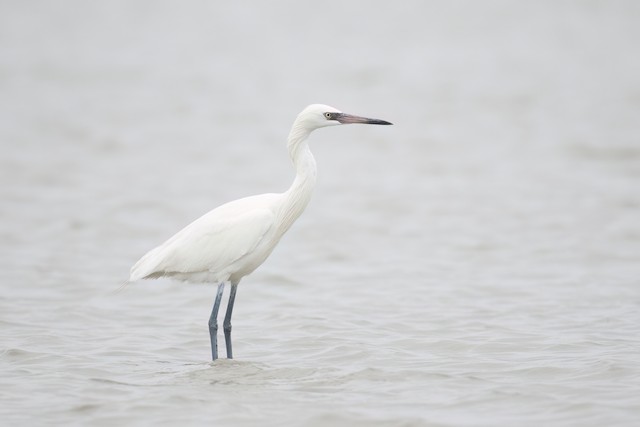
{"points": [[348, 119]]}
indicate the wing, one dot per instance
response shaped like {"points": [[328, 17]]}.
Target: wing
{"points": [[212, 242]]}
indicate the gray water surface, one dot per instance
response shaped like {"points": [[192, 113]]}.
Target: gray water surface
{"points": [[476, 264]]}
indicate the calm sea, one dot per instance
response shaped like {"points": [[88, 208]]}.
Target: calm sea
{"points": [[476, 264]]}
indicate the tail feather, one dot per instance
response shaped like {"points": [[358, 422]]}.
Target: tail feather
{"points": [[146, 267]]}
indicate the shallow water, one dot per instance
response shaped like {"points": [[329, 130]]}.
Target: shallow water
{"points": [[477, 263]]}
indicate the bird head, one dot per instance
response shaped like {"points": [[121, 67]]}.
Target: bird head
{"points": [[316, 116]]}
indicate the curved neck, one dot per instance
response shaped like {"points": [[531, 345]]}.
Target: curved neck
{"points": [[298, 195]]}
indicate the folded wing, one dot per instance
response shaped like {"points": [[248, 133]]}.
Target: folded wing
{"points": [[212, 243]]}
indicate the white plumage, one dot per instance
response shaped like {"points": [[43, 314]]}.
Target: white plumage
{"points": [[232, 240], [217, 245]]}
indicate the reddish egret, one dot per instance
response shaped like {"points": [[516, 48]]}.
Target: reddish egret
{"points": [[232, 240]]}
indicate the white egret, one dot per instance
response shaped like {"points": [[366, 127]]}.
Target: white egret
{"points": [[232, 240]]}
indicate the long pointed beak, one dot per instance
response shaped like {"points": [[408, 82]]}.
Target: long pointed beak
{"points": [[349, 118]]}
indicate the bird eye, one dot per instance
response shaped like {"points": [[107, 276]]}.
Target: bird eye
{"points": [[328, 116]]}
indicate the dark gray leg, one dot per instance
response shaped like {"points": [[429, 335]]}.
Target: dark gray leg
{"points": [[227, 320], [213, 322]]}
